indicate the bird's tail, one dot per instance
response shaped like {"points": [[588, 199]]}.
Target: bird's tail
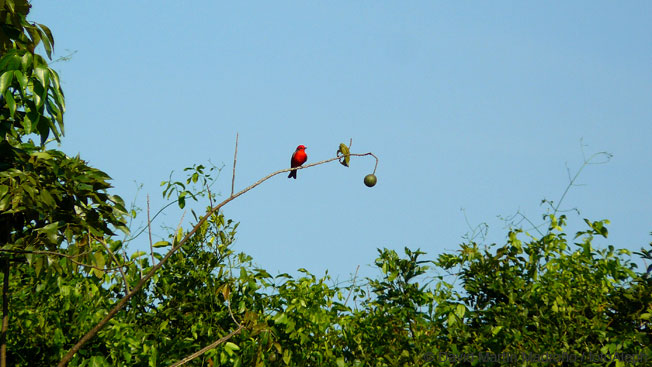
{"points": [[293, 174]]}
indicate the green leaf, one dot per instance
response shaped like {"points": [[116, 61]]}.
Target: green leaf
{"points": [[41, 155], [340, 362], [495, 330], [137, 254], [47, 199], [98, 262], [460, 310], [5, 202], [98, 361], [48, 41], [26, 60], [163, 325], [153, 356], [5, 80], [38, 265], [451, 319], [161, 244], [286, 356], [9, 97], [230, 347], [22, 80], [344, 151], [43, 75], [47, 32], [50, 231]]}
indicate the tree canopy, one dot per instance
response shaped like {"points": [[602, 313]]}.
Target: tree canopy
{"points": [[75, 294]]}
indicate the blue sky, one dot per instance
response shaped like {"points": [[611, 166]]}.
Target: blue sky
{"points": [[469, 105]]}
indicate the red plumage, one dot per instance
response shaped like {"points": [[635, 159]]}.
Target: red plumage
{"points": [[299, 157]]}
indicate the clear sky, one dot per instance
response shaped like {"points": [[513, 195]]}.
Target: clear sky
{"points": [[473, 105]]}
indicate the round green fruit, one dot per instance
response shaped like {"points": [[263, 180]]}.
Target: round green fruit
{"points": [[370, 180]]}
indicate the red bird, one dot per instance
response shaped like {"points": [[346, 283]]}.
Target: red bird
{"points": [[299, 157]]}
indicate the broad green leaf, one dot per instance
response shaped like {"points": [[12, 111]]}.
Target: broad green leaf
{"points": [[41, 155], [98, 361], [47, 199], [161, 244], [226, 292], [47, 32], [153, 356], [230, 347], [495, 330], [452, 320], [38, 264], [344, 151], [46, 37], [98, 262], [42, 74], [460, 310], [137, 254], [50, 231], [5, 80], [26, 61], [286, 356], [5, 202], [99, 259], [9, 97], [10, 4]]}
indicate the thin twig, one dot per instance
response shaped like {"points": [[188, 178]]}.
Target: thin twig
{"points": [[180, 222], [5, 312], [577, 174], [352, 285], [108, 249], [149, 229], [235, 159], [210, 195], [123, 301], [228, 305], [96, 267], [208, 347], [69, 257], [38, 252]]}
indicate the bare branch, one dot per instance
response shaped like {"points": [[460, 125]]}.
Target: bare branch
{"points": [[209, 347], [69, 257], [352, 285], [587, 162], [180, 222], [235, 159], [108, 249], [228, 305], [149, 228], [38, 252], [64, 361]]}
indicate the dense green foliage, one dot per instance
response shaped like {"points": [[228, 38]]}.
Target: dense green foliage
{"points": [[536, 301]]}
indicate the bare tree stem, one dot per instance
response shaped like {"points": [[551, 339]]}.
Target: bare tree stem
{"points": [[235, 159], [5, 313], [209, 347], [149, 228], [91, 333]]}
